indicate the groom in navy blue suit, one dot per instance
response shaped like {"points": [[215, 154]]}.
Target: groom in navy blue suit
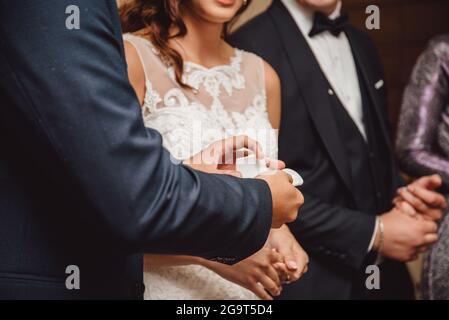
{"points": [[83, 182]]}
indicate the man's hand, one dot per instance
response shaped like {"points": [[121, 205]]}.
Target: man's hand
{"points": [[404, 236], [296, 260], [285, 197], [419, 199], [220, 157]]}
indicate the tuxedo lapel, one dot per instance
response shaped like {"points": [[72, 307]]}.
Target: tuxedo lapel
{"points": [[371, 83], [313, 87], [368, 78]]}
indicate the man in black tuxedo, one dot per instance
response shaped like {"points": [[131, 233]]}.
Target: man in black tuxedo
{"points": [[83, 183], [334, 132]]}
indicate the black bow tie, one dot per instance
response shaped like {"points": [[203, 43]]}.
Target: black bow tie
{"points": [[322, 23]]}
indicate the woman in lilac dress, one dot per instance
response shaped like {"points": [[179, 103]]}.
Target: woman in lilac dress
{"points": [[423, 147]]}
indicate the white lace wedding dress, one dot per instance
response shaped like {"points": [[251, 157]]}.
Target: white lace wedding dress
{"points": [[226, 100]]}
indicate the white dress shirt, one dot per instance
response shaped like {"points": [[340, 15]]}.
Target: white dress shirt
{"points": [[334, 55]]}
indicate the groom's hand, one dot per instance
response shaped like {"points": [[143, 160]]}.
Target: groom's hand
{"points": [[220, 157], [285, 197]]}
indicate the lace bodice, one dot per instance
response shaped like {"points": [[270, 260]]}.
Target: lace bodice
{"points": [[223, 101]]}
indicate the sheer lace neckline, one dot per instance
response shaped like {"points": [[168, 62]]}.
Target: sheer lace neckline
{"points": [[234, 62]]}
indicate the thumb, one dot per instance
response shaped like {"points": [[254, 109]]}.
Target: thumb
{"points": [[290, 262]]}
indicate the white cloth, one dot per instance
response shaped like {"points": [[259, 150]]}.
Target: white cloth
{"points": [[225, 101], [335, 58], [334, 55]]}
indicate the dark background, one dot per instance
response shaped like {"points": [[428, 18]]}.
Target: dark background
{"points": [[405, 29]]}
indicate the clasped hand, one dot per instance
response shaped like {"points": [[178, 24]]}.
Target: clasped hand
{"points": [[411, 226]]}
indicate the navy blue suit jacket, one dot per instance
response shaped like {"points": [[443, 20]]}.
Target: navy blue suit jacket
{"points": [[82, 181]]}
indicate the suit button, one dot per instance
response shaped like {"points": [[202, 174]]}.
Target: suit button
{"points": [[342, 256], [379, 195], [371, 155], [327, 252], [320, 248]]}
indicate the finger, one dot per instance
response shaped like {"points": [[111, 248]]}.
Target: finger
{"points": [[430, 238], [275, 256], [269, 285], [259, 291], [396, 200], [433, 214], [275, 164], [414, 201], [281, 173], [240, 142], [407, 208], [272, 273], [431, 198], [282, 271], [432, 182], [429, 226]]}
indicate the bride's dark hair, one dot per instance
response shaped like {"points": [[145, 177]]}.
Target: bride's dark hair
{"points": [[157, 18]]}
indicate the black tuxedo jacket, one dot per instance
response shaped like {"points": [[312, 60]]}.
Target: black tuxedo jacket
{"points": [[331, 226], [82, 181]]}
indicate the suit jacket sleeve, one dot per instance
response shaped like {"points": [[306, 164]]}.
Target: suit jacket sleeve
{"points": [[73, 88], [334, 232]]}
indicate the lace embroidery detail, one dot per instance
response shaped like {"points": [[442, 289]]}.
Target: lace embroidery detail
{"points": [[152, 98], [226, 76]]}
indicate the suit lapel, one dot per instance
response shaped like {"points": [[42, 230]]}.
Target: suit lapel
{"points": [[313, 87], [368, 78]]}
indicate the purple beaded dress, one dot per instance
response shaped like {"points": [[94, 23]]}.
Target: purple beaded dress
{"points": [[423, 147]]}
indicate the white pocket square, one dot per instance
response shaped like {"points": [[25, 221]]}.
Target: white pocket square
{"points": [[379, 84]]}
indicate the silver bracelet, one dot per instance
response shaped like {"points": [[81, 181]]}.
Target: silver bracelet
{"points": [[380, 257]]}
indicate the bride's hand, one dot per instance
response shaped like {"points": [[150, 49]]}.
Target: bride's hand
{"points": [[296, 259], [220, 157], [258, 273]]}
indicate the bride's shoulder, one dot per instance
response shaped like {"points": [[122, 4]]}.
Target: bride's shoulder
{"points": [[269, 75], [253, 61], [136, 70]]}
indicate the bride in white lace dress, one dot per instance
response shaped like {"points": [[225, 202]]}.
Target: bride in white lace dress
{"points": [[195, 89]]}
